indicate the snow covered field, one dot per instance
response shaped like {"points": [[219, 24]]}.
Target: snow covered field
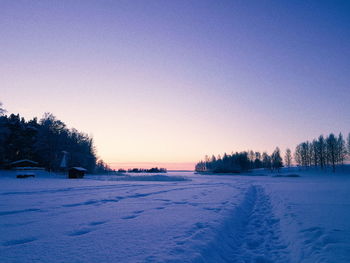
{"points": [[211, 218]]}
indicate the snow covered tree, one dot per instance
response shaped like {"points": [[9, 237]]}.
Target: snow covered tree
{"points": [[288, 157]]}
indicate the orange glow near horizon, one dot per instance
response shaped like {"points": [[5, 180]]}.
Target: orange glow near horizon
{"points": [[148, 165]]}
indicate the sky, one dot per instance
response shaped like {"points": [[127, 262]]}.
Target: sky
{"points": [[166, 82]]}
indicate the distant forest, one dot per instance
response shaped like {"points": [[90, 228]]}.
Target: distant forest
{"points": [[141, 170], [322, 152], [44, 141]]}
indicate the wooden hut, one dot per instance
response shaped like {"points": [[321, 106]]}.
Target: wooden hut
{"points": [[25, 168], [76, 172]]}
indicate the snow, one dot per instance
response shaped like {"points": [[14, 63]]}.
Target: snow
{"points": [[141, 177], [179, 217], [79, 169]]}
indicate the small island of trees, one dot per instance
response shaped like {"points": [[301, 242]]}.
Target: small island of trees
{"points": [[141, 170], [240, 161]]}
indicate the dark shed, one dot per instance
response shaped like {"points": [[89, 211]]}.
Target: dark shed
{"points": [[76, 172]]}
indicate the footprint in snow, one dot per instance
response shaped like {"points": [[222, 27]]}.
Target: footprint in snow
{"points": [[18, 241], [95, 223], [200, 225], [311, 229], [164, 200], [214, 209], [80, 232], [129, 217], [180, 203], [2, 213]]}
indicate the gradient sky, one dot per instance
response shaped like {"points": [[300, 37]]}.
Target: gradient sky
{"points": [[166, 82]]}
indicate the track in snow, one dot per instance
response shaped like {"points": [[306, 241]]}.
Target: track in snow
{"points": [[252, 234]]}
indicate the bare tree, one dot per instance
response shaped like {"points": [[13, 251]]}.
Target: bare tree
{"points": [[315, 157], [348, 144], [341, 149], [266, 160], [288, 158], [276, 159], [321, 151], [332, 150], [297, 155]]}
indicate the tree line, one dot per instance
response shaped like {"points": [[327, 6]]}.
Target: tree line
{"points": [[322, 152], [240, 161], [45, 142]]}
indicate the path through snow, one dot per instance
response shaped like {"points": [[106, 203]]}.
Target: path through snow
{"points": [[251, 234], [208, 219]]}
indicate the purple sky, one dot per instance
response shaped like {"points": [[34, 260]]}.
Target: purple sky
{"points": [[166, 82]]}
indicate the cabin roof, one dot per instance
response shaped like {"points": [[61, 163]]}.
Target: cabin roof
{"points": [[23, 161]]}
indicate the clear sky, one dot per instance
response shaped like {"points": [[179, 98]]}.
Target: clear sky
{"points": [[166, 82]]}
